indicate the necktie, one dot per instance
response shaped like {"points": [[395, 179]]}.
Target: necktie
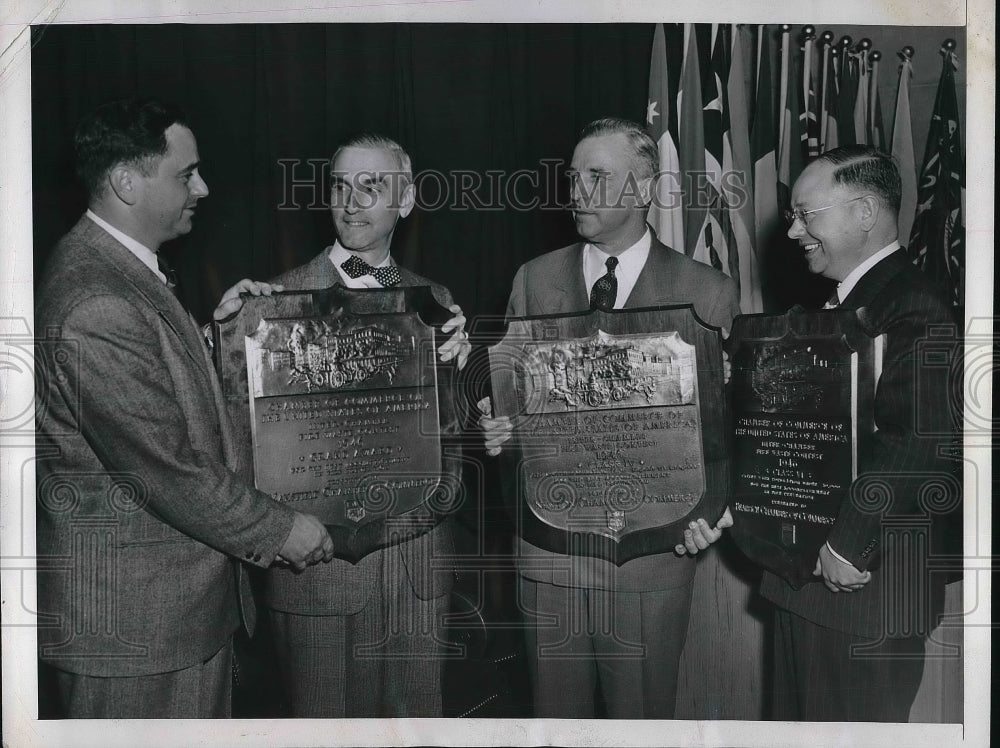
{"points": [[833, 302], [605, 290], [170, 275], [387, 275]]}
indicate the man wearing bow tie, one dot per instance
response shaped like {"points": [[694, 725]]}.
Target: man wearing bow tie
{"points": [[363, 640]]}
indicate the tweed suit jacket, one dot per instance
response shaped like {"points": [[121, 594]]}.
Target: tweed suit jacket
{"points": [[340, 587], [900, 303], [140, 514], [554, 284]]}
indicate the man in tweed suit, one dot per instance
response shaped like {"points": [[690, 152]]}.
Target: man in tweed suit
{"points": [[364, 640], [875, 595], [142, 520], [590, 624]]}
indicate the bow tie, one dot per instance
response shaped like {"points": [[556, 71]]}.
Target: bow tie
{"points": [[387, 275]]}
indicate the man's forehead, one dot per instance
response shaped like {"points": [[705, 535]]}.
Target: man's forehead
{"points": [[601, 152], [815, 181], [366, 161]]}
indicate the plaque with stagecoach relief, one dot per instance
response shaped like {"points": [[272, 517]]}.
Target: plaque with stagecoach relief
{"points": [[803, 389], [619, 428], [344, 410]]}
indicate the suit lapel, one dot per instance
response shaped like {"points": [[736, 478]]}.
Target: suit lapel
{"points": [[150, 288], [655, 280], [568, 292], [872, 282]]}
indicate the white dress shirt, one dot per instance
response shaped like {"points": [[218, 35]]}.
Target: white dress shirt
{"points": [[630, 264], [847, 285]]}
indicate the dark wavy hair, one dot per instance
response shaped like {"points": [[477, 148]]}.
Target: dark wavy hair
{"points": [[128, 131], [868, 169]]}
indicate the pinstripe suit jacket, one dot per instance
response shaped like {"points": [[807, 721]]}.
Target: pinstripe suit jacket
{"points": [[340, 587], [554, 284], [901, 303], [140, 512]]}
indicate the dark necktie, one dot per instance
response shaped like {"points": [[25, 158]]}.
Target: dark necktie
{"points": [[171, 276], [388, 275], [605, 290], [833, 302]]}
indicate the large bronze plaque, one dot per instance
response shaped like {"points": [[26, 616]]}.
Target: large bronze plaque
{"points": [[346, 409], [619, 435], [803, 388]]}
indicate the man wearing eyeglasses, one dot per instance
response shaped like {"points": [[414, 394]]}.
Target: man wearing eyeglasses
{"points": [[852, 647]]}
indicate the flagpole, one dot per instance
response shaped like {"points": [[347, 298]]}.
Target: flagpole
{"points": [[862, 129], [783, 91], [875, 56], [827, 40]]}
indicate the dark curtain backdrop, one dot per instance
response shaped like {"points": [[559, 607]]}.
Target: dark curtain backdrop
{"points": [[463, 97]]}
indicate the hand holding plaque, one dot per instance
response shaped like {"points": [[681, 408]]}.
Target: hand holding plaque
{"points": [[617, 428]]}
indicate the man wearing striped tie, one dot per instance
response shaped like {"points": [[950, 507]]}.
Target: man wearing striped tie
{"points": [[363, 640]]}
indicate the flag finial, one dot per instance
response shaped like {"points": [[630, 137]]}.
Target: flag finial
{"points": [[906, 53]]}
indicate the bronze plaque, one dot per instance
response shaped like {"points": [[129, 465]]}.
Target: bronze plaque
{"points": [[619, 433], [348, 409], [803, 386]]}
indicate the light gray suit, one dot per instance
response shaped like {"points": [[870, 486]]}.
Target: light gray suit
{"points": [[141, 514], [361, 640], [645, 601]]}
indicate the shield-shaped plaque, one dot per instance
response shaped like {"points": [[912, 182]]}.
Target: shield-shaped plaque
{"points": [[344, 411], [619, 428], [804, 384]]}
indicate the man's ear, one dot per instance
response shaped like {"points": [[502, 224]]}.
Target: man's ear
{"points": [[868, 211], [123, 183], [406, 199], [646, 186]]}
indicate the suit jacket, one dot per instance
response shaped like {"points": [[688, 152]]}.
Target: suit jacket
{"points": [[901, 303], [340, 587], [554, 284], [140, 516]]}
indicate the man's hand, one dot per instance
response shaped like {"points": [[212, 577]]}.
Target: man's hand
{"points": [[698, 535], [495, 430], [839, 576], [231, 301], [307, 543], [727, 367], [457, 345]]}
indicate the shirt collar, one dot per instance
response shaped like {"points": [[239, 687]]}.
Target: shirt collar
{"points": [[338, 255], [630, 262], [847, 285], [145, 255]]}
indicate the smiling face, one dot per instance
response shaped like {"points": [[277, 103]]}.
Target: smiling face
{"points": [[608, 197], [369, 194], [166, 198], [834, 240]]}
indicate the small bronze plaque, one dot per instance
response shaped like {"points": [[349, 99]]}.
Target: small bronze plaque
{"points": [[803, 386], [346, 405], [618, 432]]}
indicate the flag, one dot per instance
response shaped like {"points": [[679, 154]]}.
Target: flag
{"points": [[762, 147], [937, 242], [861, 129], [809, 123], [902, 147], [847, 87], [790, 138], [828, 105], [716, 238], [876, 128], [691, 151], [666, 214], [737, 164]]}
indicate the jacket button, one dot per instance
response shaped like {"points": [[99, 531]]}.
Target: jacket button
{"points": [[249, 555], [256, 559]]}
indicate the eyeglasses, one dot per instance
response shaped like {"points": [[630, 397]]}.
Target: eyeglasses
{"points": [[791, 216]]}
